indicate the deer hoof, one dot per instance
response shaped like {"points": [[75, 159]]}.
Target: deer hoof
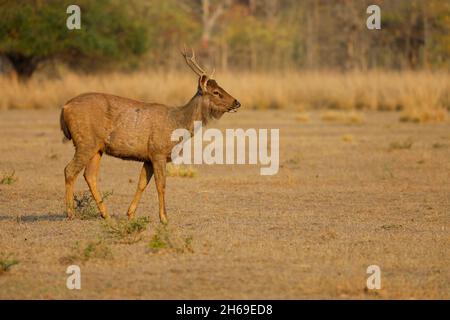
{"points": [[164, 220], [106, 216]]}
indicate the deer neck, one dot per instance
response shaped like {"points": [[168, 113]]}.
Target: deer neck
{"points": [[195, 110]]}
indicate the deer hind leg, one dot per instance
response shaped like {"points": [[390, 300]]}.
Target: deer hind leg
{"points": [[159, 168], [144, 178], [90, 175], [71, 172]]}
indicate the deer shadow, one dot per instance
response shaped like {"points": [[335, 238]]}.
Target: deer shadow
{"points": [[34, 217]]}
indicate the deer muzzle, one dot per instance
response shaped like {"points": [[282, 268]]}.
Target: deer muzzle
{"points": [[236, 105]]}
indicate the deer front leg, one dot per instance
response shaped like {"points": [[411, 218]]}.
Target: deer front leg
{"points": [[144, 178], [90, 175], [159, 167], [71, 172]]}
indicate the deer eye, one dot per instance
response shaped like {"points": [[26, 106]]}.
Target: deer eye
{"points": [[216, 93]]}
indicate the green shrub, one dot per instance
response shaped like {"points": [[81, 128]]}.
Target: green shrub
{"points": [[126, 231], [86, 207], [8, 179], [6, 262]]}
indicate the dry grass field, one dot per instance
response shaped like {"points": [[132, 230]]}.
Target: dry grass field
{"points": [[421, 96], [354, 189]]}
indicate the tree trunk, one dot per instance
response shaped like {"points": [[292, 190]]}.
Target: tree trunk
{"points": [[312, 26], [426, 35], [224, 55], [23, 65], [209, 19], [253, 49]]}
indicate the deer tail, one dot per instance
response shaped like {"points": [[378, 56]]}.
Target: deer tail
{"points": [[64, 128]]}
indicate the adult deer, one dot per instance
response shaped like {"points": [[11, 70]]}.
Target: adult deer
{"points": [[100, 123]]}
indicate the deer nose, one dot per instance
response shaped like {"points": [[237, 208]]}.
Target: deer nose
{"points": [[237, 104]]}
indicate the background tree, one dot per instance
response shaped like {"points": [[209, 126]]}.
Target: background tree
{"points": [[32, 32], [255, 35]]}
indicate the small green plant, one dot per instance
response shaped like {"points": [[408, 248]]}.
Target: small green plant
{"points": [[401, 145], [126, 231], [91, 250], [157, 243], [85, 206], [98, 250], [9, 178], [162, 240], [6, 262], [188, 244], [181, 171]]}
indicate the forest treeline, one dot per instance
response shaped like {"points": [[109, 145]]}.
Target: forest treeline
{"points": [[254, 35]]}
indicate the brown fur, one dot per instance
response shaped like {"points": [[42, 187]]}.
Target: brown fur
{"points": [[101, 123]]}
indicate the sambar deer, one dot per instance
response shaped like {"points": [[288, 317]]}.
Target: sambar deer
{"points": [[100, 123]]}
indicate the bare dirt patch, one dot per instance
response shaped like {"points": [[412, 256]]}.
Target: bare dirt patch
{"points": [[310, 231]]}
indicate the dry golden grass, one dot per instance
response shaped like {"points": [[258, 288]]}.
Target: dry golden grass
{"points": [[348, 138], [422, 96], [82, 252], [302, 117], [350, 117], [180, 171], [424, 115], [401, 145]]}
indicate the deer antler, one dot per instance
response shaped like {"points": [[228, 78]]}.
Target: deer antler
{"points": [[190, 61]]}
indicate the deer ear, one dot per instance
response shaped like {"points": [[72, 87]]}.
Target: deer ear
{"points": [[202, 81]]}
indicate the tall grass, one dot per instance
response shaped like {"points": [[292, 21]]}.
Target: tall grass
{"points": [[423, 96]]}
